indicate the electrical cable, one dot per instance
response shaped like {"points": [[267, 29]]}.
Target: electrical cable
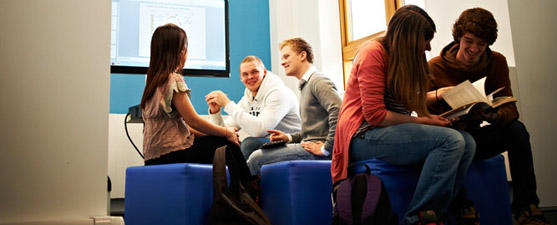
{"points": [[129, 138]]}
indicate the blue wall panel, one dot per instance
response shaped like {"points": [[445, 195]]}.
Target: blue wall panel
{"points": [[125, 90], [249, 35]]}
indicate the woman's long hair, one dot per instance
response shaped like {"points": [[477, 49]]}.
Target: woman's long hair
{"points": [[405, 42], [167, 44]]}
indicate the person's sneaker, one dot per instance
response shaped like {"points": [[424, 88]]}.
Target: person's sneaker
{"points": [[531, 216], [429, 217], [468, 216]]}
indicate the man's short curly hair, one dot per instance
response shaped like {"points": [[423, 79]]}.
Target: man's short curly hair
{"points": [[477, 21]]}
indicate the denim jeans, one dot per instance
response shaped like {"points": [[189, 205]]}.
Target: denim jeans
{"points": [[251, 144], [445, 154], [289, 152]]}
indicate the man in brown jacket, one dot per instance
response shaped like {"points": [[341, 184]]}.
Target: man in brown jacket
{"points": [[469, 57]]}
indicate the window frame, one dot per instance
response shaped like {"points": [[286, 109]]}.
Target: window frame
{"points": [[350, 47]]}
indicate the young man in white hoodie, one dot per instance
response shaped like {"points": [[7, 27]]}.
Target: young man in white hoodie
{"points": [[267, 104]]}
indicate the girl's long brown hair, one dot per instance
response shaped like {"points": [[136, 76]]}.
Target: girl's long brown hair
{"points": [[405, 42], [167, 44]]}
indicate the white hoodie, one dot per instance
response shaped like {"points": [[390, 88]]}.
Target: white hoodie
{"points": [[274, 107]]}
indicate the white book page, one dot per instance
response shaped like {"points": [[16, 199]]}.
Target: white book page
{"points": [[479, 85], [490, 96], [463, 94]]}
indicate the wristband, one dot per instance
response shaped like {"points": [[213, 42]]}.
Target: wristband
{"points": [[289, 136], [324, 151]]}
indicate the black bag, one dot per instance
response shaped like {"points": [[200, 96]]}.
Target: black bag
{"points": [[232, 205], [363, 200]]}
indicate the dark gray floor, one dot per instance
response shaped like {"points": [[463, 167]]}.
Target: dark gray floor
{"points": [[550, 214], [117, 209]]}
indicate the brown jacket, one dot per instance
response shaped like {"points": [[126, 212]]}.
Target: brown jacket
{"points": [[446, 70]]}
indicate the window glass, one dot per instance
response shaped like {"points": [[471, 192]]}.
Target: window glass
{"points": [[420, 3], [366, 17]]}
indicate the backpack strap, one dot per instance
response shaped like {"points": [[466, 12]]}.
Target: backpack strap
{"points": [[368, 187], [344, 203], [219, 172], [372, 195]]}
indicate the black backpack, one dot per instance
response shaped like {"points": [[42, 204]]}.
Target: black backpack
{"points": [[362, 200], [232, 205]]}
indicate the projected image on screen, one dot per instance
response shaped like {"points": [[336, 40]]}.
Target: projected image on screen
{"points": [[134, 21]]}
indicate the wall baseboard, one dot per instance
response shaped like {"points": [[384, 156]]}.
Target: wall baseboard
{"points": [[88, 221], [100, 220], [549, 209], [108, 220]]}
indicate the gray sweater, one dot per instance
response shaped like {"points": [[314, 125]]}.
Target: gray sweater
{"points": [[319, 108]]}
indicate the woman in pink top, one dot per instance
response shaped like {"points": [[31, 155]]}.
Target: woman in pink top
{"points": [[387, 82], [174, 132]]}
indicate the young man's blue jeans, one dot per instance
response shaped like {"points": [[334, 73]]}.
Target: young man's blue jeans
{"points": [[250, 144], [445, 154], [278, 154]]}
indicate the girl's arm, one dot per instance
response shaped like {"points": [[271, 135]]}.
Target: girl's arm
{"points": [[435, 95], [393, 118], [196, 132], [371, 75], [184, 107]]}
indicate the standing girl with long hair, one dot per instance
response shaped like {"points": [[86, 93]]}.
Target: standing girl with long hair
{"points": [[387, 82], [174, 132]]}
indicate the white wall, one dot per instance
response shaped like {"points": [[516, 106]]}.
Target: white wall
{"points": [[315, 21], [121, 154], [534, 37], [54, 82]]}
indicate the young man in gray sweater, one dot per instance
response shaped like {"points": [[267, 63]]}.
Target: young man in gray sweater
{"points": [[319, 107]]}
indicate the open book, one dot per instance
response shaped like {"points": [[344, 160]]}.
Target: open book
{"points": [[463, 97]]}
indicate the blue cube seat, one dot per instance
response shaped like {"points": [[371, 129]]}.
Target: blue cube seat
{"points": [[297, 192], [294, 192], [486, 185], [172, 194]]}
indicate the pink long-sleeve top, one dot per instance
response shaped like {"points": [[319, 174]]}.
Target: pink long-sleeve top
{"points": [[363, 100]]}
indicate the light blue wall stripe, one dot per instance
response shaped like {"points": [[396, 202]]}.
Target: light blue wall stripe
{"points": [[249, 35]]}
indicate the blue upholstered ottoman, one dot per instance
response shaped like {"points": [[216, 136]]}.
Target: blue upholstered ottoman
{"points": [[486, 185], [173, 194], [297, 192]]}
